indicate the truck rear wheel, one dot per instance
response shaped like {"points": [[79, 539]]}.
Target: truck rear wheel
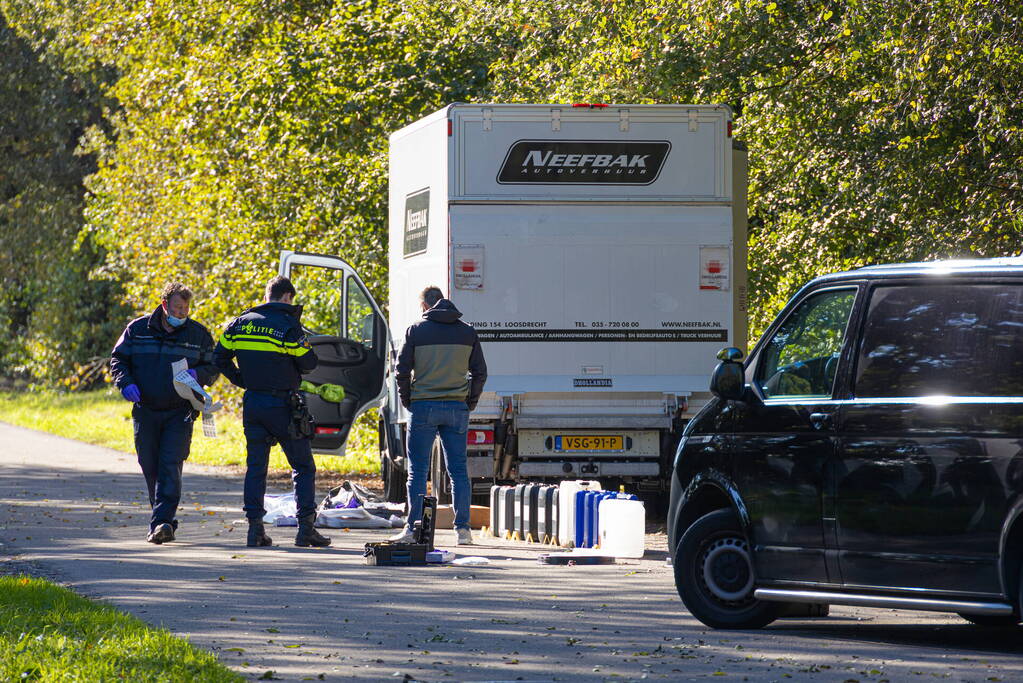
{"points": [[394, 477], [394, 480], [439, 475]]}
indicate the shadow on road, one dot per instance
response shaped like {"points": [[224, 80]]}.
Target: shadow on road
{"points": [[964, 637], [513, 618]]}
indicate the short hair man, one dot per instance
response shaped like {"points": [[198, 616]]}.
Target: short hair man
{"points": [[273, 354], [141, 368], [440, 375]]}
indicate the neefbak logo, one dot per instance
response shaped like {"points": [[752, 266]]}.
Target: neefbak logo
{"points": [[584, 162]]}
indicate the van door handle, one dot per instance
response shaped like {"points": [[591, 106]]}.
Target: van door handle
{"points": [[821, 421]]}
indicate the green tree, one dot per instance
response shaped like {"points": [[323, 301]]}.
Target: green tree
{"points": [[54, 318], [877, 131]]}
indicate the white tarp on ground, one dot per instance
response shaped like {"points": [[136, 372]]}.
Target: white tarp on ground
{"points": [[282, 508]]}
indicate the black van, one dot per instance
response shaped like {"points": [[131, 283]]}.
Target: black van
{"points": [[869, 452]]}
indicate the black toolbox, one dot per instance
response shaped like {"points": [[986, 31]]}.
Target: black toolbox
{"points": [[387, 554]]}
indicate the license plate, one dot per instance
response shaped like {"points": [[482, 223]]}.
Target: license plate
{"points": [[589, 443]]}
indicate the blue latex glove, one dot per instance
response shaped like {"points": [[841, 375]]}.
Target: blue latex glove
{"points": [[132, 393], [194, 374]]}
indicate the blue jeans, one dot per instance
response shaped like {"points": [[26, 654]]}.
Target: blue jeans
{"points": [[450, 419]]}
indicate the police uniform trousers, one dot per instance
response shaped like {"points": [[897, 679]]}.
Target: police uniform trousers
{"points": [[265, 418], [162, 441]]}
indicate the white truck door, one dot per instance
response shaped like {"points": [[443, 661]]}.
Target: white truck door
{"points": [[348, 333]]}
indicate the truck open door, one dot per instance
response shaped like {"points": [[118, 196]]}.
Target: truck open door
{"points": [[348, 333]]}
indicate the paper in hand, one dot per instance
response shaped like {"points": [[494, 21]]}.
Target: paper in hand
{"points": [[188, 388]]}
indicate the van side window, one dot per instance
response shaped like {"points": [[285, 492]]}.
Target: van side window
{"points": [[801, 358], [942, 340]]}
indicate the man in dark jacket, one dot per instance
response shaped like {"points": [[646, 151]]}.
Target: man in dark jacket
{"points": [[440, 375], [272, 353], [141, 368]]}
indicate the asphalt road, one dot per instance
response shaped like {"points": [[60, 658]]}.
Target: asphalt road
{"points": [[78, 513]]}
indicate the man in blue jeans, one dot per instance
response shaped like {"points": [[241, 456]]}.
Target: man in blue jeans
{"points": [[440, 373]]}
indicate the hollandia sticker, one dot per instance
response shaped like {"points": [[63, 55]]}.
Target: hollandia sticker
{"points": [[714, 268]]}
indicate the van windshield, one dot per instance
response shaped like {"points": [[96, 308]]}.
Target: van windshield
{"points": [[942, 340]]}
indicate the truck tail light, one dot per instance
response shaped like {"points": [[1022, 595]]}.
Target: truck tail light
{"points": [[328, 430], [729, 129], [480, 437], [593, 105], [450, 128]]}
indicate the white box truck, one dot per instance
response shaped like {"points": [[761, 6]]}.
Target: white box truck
{"points": [[599, 251]]}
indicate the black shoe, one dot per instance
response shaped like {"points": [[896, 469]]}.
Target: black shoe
{"points": [[257, 537], [161, 534], [308, 536]]}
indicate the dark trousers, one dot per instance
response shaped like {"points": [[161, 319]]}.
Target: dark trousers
{"points": [[266, 419], [162, 441]]}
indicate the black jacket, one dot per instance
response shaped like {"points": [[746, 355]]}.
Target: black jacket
{"points": [[145, 351], [270, 346], [445, 356]]}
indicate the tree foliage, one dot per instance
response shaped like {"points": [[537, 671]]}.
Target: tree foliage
{"points": [[53, 318], [877, 131]]}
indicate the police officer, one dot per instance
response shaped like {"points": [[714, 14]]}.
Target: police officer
{"points": [[272, 354], [141, 368]]}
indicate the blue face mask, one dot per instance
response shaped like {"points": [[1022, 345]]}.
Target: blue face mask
{"points": [[172, 321]]}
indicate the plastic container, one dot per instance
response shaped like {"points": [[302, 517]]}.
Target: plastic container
{"points": [[547, 514], [520, 502], [530, 513], [590, 528], [579, 519], [507, 513], [622, 527], [566, 507], [495, 508]]}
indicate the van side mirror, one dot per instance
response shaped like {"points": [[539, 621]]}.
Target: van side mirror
{"points": [[729, 379], [730, 354]]}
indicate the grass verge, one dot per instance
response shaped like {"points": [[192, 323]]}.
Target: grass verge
{"points": [[48, 633], [103, 418]]}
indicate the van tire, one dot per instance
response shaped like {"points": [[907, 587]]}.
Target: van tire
{"points": [[714, 575]]}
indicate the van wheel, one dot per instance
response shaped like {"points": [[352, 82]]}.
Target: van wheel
{"points": [[992, 621], [714, 575]]}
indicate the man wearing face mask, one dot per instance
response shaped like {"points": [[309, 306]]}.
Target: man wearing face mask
{"points": [[141, 368]]}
